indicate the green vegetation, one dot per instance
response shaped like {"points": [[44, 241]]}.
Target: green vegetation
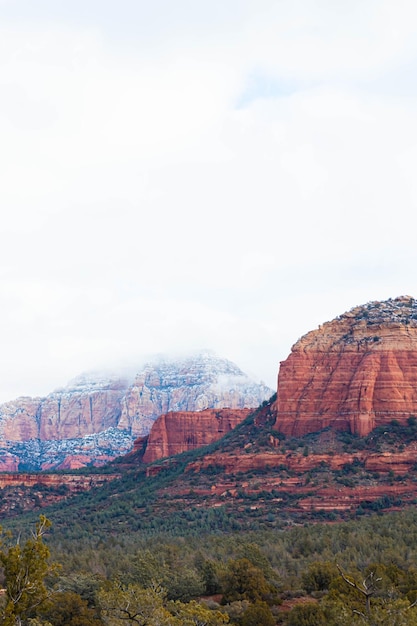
{"points": [[25, 568], [357, 572]]}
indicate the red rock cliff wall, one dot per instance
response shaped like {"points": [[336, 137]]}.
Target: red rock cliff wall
{"points": [[354, 373], [178, 432]]}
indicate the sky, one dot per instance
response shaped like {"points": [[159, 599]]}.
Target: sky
{"points": [[179, 175]]}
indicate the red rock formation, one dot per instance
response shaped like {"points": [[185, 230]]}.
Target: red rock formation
{"points": [[313, 481], [353, 373], [74, 482], [8, 462], [344, 499], [399, 463], [178, 432], [27, 492], [68, 413], [76, 461], [242, 463]]}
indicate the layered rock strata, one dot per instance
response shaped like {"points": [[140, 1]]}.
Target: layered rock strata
{"points": [[177, 432], [22, 492], [354, 373], [398, 463], [296, 481], [73, 482]]}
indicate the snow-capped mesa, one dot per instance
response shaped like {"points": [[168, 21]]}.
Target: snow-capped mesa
{"points": [[97, 416]]}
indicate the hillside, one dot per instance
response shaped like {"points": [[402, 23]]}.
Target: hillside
{"points": [[250, 479], [257, 476]]}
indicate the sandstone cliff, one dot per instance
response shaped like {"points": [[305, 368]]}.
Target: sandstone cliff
{"points": [[353, 373], [177, 432]]}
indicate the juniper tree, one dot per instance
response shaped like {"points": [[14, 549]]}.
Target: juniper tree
{"points": [[25, 568]]}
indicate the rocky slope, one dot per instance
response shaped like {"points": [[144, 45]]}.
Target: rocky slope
{"points": [[354, 373], [255, 473], [340, 437], [96, 418], [23, 492]]}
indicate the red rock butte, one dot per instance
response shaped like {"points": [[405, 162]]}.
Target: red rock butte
{"points": [[355, 373], [179, 431]]}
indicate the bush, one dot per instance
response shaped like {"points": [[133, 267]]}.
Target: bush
{"points": [[318, 576], [258, 614], [306, 615]]}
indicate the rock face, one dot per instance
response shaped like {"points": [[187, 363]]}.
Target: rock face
{"points": [[354, 373], [97, 417], [177, 432]]}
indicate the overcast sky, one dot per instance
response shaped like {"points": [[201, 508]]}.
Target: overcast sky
{"points": [[188, 174]]}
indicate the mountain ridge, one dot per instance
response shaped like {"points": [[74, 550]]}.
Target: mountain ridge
{"points": [[96, 418]]}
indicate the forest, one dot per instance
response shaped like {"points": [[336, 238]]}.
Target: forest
{"points": [[361, 571]]}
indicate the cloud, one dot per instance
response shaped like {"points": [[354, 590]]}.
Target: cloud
{"points": [[223, 176]]}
